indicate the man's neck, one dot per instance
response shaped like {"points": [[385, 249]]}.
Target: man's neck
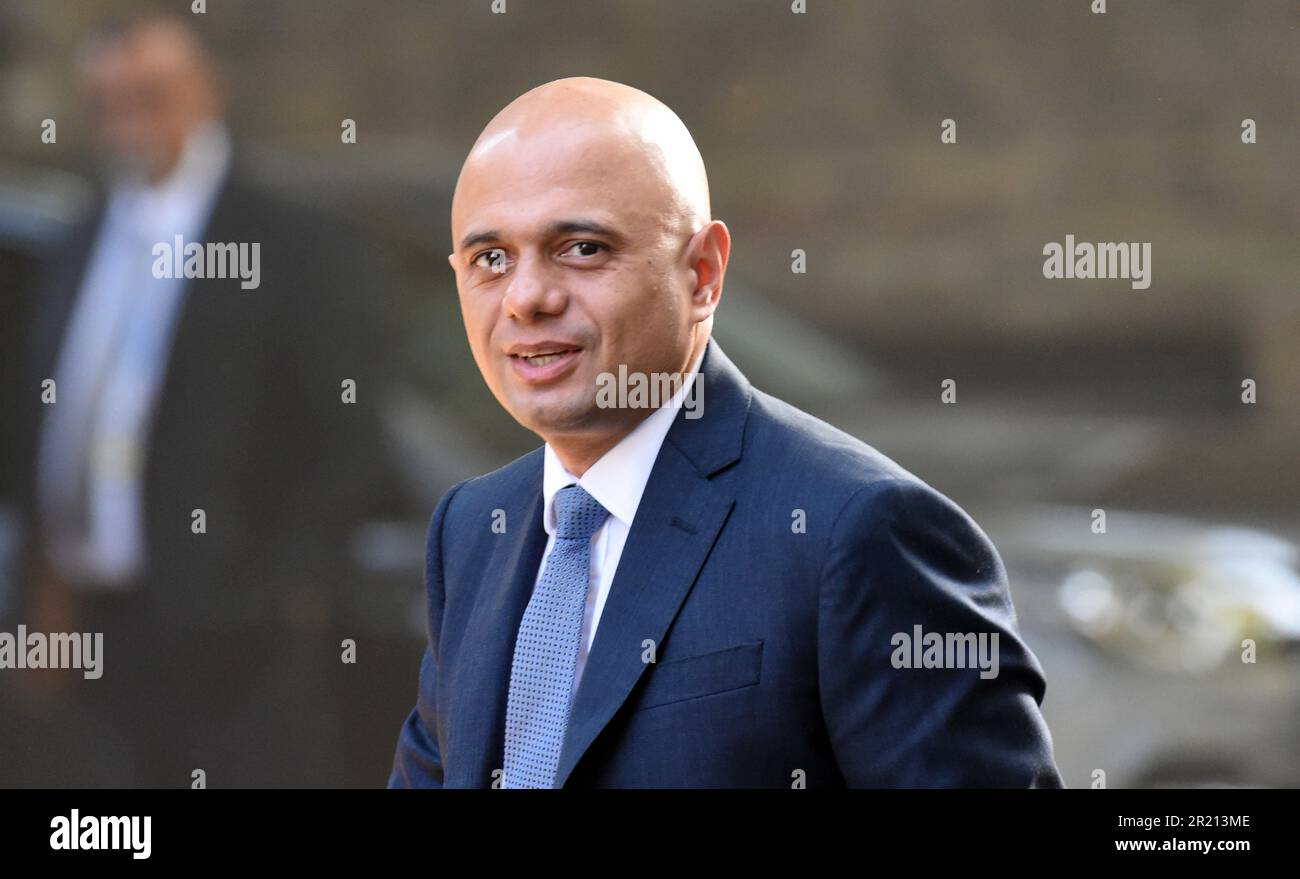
{"points": [[578, 454]]}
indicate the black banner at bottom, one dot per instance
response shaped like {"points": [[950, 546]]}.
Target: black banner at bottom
{"points": [[217, 828]]}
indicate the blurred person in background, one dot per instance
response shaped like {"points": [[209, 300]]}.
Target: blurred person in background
{"points": [[221, 628]]}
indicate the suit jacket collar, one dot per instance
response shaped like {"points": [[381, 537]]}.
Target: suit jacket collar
{"points": [[715, 440]]}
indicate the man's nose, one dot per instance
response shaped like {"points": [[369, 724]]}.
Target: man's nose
{"points": [[532, 290]]}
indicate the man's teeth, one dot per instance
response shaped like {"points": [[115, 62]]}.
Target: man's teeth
{"points": [[544, 359]]}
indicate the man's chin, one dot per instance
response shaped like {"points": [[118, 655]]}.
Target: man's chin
{"points": [[545, 417]]}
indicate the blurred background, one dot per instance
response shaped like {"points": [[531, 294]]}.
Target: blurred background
{"points": [[821, 132]]}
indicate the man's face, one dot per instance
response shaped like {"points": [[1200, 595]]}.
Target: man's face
{"points": [[146, 93], [569, 262]]}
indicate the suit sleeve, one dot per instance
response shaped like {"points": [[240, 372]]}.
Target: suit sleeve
{"points": [[418, 762], [902, 555]]}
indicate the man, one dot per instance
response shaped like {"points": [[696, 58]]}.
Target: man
{"points": [[194, 480], [655, 599]]}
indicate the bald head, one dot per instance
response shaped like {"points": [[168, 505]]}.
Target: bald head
{"points": [[584, 244], [632, 135]]}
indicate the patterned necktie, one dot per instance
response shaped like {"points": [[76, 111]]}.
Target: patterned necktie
{"points": [[546, 649]]}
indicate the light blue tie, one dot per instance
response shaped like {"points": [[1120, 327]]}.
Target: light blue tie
{"points": [[546, 649]]}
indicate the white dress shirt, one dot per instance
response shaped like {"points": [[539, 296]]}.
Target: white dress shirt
{"points": [[617, 481], [111, 367]]}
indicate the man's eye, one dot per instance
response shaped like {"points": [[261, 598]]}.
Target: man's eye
{"points": [[493, 260], [587, 248]]}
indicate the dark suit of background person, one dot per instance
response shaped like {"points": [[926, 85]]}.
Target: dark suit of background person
{"points": [[224, 653], [773, 647]]}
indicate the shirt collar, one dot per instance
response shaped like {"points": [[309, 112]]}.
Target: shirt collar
{"points": [[618, 479]]}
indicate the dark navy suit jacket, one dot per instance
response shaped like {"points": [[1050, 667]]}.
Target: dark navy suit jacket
{"points": [[772, 645]]}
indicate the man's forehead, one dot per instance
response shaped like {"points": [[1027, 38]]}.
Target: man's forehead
{"points": [[527, 188], [553, 212], [570, 153]]}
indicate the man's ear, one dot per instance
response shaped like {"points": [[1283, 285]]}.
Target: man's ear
{"points": [[708, 252], [451, 261]]}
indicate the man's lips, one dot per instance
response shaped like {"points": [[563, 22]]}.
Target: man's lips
{"points": [[545, 362]]}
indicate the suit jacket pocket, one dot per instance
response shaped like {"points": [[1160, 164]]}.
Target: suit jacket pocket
{"points": [[704, 675]]}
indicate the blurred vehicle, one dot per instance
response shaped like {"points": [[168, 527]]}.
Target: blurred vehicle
{"points": [[1168, 592], [1170, 644]]}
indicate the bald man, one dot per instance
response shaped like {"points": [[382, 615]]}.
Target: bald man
{"points": [[712, 590]]}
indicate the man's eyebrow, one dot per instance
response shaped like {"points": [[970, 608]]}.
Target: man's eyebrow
{"points": [[559, 227], [479, 238], [569, 227]]}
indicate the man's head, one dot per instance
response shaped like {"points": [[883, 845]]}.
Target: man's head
{"points": [[581, 227], [149, 84]]}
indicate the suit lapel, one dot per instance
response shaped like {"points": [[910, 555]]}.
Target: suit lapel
{"points": [[680, 516], [58, 295], [482, 683]]}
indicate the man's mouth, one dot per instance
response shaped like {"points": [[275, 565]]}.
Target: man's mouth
{"points": [[541, 363], [544, 358]]}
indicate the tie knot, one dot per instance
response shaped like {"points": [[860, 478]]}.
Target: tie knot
{"points": [[577, 513]]}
